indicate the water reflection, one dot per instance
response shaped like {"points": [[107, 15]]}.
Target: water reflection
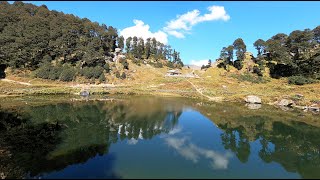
{"points": [[73, 140], [192, 152], [296, 146]]}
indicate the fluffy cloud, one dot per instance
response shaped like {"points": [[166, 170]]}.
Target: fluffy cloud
{"points": [[192, 152], [143, 30], [199, 62], [185, 22]]}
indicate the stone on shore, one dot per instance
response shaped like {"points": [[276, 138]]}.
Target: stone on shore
{"points": [[253, 99]]}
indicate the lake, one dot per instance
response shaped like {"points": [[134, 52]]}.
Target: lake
{"points": [[153, 137]]}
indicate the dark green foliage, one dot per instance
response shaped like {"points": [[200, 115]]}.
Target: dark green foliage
{"points": [[259, 45], [220, 65], [102, 78], [240, 48], [238, 64], [137, 49], [296, 54], [125, 64], [44, 71], [300, 80], [157, 65], [123, 75], [30, 35], [91, 72], [107, 67], [257, 70], [205, 66], [170, 64], [117, 74], [2, 69], [250, 78], [280, 70], [68, 74]]}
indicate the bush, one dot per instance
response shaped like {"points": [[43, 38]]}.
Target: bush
{"points": [[67, 74], [43, 71], [125, 64], [97, 71], [123, 75], [91, 72], [157, 65], [238, 64], [117, 74], [107, 67], [300, 80], [170, 64], [102, 78], [250, 78], [257, 70]]}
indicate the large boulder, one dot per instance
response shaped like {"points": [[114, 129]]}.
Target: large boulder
{"points": [[286, 102], [253, 99]]}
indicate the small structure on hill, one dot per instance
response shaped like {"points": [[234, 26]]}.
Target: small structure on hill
{"points": [[173, 72]]}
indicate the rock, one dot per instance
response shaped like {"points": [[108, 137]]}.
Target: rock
{"points": [[286, 102], [285, 108], [314, 108], [253, 106], [253, 99], [84, 93]]}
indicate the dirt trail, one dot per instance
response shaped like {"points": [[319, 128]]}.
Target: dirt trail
{"points": [[209, 97], [18, 82]]}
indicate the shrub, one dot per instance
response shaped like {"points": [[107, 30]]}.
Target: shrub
{"points": [[117, 74], [123, 75], [257, 70], [67, 74], [97, 71], [238, 64], [91, 72], [107, 67], [300, 80], [102, 78], [125, 64], [170, 64], [43, 71], [250, 78], [157, 64]]}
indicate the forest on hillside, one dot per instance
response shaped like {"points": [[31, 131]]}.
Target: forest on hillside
{"points": [[62, 46], [296, 56]]}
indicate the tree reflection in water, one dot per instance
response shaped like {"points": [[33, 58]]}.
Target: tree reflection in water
{"points": [[51, 137], [296, 146]]}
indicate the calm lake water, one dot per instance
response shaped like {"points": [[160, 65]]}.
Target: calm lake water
{"points": [[148, 137]]}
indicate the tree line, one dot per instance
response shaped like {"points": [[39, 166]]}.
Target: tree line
{"points": [[33, 36], [151, 49], [296, 55]]}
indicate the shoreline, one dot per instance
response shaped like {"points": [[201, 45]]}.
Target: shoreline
{"points": [[195, 94]]}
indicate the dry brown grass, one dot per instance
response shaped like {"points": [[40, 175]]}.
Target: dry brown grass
{"points": [[144, 79]]}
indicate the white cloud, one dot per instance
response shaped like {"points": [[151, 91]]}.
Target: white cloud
{"points": [[185, 22], [132, 141], [199, 62], [175, 131], [194, 153], [143, 30], [176, 34]]}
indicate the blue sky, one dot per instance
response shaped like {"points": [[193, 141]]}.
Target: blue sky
{"points": [[205, 31]]}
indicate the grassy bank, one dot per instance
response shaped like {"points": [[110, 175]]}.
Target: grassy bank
{"points": [[214, 83]]}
